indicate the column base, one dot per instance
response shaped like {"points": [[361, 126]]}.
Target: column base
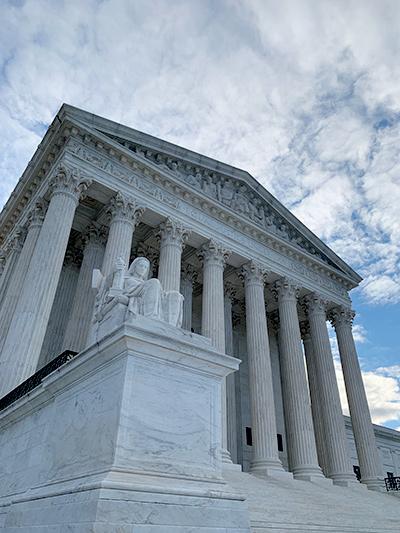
{"points": [[376, 484], [227, 463], [264, 468], [346, 480], [311, 473]]}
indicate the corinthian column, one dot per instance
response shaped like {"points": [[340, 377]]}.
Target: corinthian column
{"points": [[367, 452], [265, 447], [3, 259], [339, 466], [124, 215], [214, 257], [314, 396], [230, 292], [302, 452], [35, 221], [188, 277], [13, 250], [22, 347], [61, 309], [82, 308], [172, 238]]}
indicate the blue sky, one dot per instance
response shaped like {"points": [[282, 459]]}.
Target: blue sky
{"points": [[303, 94]]}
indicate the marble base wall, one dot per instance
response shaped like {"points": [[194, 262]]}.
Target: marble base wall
{"points": [[137, 447], [109, 510]]}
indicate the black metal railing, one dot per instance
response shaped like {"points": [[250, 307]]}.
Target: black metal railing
{"points": [[392, 483], [36, 379]]}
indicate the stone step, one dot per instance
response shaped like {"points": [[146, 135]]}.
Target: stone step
{"points": [[292, 506]]}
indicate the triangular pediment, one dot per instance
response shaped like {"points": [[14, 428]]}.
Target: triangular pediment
{"points": [[232, 188]]}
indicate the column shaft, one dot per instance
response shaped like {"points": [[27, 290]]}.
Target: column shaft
{"points": [[14, 249], [3, 260], [339, 466], [314, 396], [265, 447], [230, 380], [28, 327], [302, 452], [35, 221], [189, 275], [82, 308], [61, 309], [367, 452], [124, 214], [213, 318], [172, 238]]}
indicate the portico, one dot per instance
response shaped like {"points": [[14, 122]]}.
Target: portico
{"points": [[99, 192]]}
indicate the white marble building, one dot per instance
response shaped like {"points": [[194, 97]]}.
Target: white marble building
{"points": [[255, 281]]}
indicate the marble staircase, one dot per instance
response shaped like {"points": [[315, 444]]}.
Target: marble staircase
{"points": [[292, 506]]}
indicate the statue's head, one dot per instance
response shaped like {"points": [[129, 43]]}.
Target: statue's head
{"points": [[140, 268]]}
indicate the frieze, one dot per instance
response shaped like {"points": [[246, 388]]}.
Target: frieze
{"points": [[119, 172], [150, 188]]}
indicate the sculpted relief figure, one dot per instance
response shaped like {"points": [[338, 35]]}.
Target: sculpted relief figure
{"points": [[126, 294], [193, 181], [209, 187], [241, 201], [226, 191]]}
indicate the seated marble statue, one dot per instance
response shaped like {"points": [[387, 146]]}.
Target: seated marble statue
{"points": [[147, 297]]}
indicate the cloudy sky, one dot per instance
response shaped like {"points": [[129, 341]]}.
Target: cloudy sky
{"points": [[303, 94]]}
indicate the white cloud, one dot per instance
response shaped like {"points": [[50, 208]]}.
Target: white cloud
{"points": [[382, 390], [305, 95], [382, 385], [359, 334]]}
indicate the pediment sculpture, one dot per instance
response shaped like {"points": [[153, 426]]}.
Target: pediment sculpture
{"points": [[128, 293], [232, 193]]}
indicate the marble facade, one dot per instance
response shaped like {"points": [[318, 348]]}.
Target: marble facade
{"points": [[255, 282]]}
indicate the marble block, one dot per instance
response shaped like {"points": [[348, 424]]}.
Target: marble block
{"points": [[126, 437]]}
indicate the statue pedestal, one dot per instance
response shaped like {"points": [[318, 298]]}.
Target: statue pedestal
{"points": [[126, 437]]}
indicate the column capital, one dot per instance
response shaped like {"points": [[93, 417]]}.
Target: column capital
{"points": [[341, 316], [173, 232], [124, 208], [253, 272], [237, 318], [73, 257], [17, 241], [273, 321], [68, 181], [285, 288], [144, 250], [213, 252], [3, 259], [94, 235], [37, 213], [230, 290], [314, 304], [305, 329], [188, 273], [238, 312]]}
